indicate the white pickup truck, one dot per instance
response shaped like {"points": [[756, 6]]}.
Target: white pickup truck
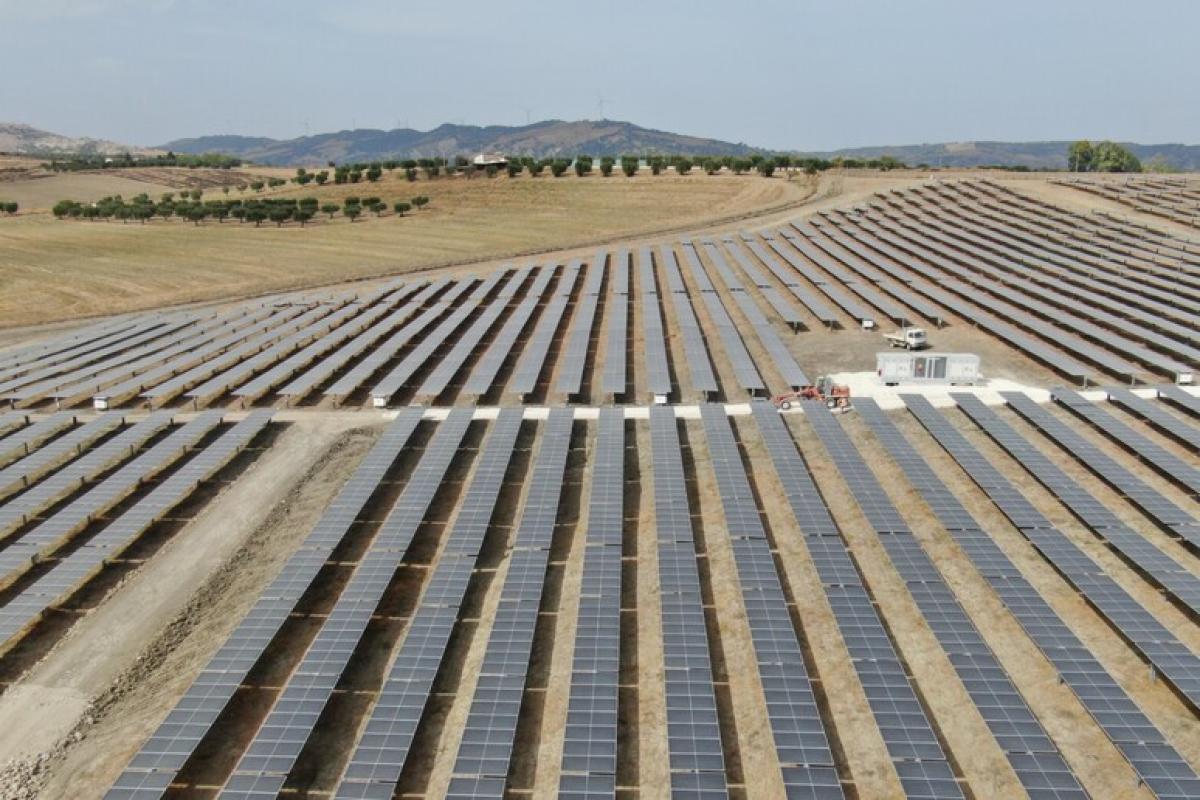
{"points": [[908, 338]]}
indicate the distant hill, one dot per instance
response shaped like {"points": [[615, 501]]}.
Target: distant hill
{"points": [[1035, 155], [20, 138], [551, 138]]}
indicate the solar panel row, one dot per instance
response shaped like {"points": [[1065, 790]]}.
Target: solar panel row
{"points": [[20, 474], [801, 742], [533, 359], [1158, 457], [444, 373], [22, 551], [357, 375], [570, 375], [704, 380], [69, 573], [1156, 416], [25, 507], [909, 735], [789, 279], [998, 700], [414, 297], [589, 761], [614, 380], [29, 438], [743, 365], [1178, 521], [381, 751], [159, 760], [264, 765], [1155, 760], [1157, 644], [658, 369], [483, 377], [485, 750], [697, 760], [1161, 568]]}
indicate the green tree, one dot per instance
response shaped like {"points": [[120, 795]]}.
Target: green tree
{"points": [[513, 167], [352, 212], [374, 173], [558, 167], [62, 208], [1112, 157], [1080, 156], [401, 208], [629, 165], [196, 214], [302, 216], [10, 207], [165, 210], [410, 174], [279, 215], [330, 209], [197, 194], [256, 185], [238, 213], [420, 201], [256, 215], [321, 177], [683, 166], [766, 168], [606, 166]]}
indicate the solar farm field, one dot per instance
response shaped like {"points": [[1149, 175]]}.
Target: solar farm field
{"points": [[535, 528]]}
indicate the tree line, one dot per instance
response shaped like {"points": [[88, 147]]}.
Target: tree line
{"points": [[125, 161], [190, 206]]}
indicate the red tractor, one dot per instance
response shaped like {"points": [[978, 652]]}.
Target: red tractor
{"points": [[835, 396]]}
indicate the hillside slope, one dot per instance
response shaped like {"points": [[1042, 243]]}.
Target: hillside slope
{"points": [[541, 139], [1035, 155], [17, 137]]}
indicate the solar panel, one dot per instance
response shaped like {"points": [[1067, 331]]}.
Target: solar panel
{"points": [[286, 369], [486, 747], [11, 421], [70, 572], [383, 747], [399, 376], [658, 370], [1105, 524], [614, 380], [788, 278], [467, 342], [796, 724], [33, 384], [1159, 458], [1166, 773], [533, 359], [695, 350], [570, 375], [27, 470], [142, 378], [357, 375], [1157, 417], [1012, 723], [856, 311], [26, 506], [267, 760], [190, 346], [162, 756], [283, 337], [324, 369], [590, 735], [483, 376], [1179, 398], [786, 311], [743, 365], [1146, 634], [27, 439], [1044, 301], [49, 535], [883, 676], [693, 729], [1179, 521]]}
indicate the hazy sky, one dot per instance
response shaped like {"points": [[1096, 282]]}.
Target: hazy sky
{"points": [[796, 75]]}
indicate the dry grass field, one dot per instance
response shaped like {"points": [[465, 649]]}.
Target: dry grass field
{"points": [[59, 270]]}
